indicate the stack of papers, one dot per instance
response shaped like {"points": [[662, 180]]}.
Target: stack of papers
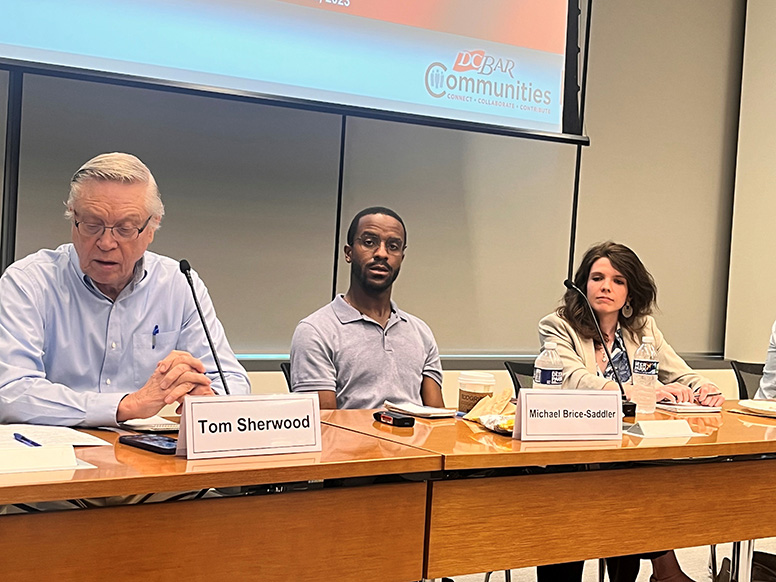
{"points": [[688, 408], [419, 411], [52, 449], [47, 436], [151, 424]]}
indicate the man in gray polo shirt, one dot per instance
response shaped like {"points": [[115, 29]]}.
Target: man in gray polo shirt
{"points": [[360, 349]]}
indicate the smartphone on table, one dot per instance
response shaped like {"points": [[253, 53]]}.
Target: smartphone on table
{"points": [[394, 418], [156, 443]]}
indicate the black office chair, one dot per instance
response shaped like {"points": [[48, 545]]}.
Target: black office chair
{"points": [[286, 368], [748, 376], [518, 370]]}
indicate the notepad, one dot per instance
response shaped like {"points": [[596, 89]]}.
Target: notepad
{"points": [[22, 459], [419, 411], [688, 408], [151, 424], [48, 435]]}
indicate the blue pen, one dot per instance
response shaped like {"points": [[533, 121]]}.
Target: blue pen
{"points": [[153, 337], [24, 440]]}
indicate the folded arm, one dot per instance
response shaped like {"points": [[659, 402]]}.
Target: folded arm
{"points": [[26, 394]]}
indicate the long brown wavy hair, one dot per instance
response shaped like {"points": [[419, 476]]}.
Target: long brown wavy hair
{"points": [[642, 293]]}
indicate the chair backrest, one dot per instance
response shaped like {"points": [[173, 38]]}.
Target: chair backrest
{"points": [[286, 368], [748, 376], [520, 369]]}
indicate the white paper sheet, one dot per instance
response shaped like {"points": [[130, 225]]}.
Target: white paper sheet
{"points": [[47, 435]]}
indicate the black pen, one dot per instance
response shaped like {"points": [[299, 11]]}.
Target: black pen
{"points": [[697, 396], [24, 440]]}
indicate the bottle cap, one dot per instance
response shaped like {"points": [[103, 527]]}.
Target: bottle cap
{"points": [[550, 345], [647, 339]]}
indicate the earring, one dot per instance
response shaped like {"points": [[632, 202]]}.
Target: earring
{"points": [[627, 310]]}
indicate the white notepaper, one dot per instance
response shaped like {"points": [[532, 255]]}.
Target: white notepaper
{"points": [[154, 423], [417, 410], [47, 435]]}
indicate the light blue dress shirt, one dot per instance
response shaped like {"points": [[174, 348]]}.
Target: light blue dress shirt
{"points": [[69, 354], [768, 381]]}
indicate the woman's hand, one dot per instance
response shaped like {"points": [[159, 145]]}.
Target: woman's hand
{"points": [[674, 392], [708, 395]]}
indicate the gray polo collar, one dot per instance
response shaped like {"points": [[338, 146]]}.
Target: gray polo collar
{"points": [[346, 313]]}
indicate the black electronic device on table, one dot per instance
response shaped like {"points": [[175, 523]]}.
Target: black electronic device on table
{"points": [[156, 443], [394, 418]]}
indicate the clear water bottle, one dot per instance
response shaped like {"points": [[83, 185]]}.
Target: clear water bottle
{"points": [[548, 369], [645, 376]]}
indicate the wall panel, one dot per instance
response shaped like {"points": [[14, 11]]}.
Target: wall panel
{"points": [[752, 302], [487, 219], [250, 191], [662, 116], [3, 115]]}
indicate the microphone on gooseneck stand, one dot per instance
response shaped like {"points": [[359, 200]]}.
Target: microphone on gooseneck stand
{"points": [[628, 407], [186, 270]]}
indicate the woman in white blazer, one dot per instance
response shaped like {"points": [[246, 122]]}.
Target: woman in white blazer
{"points": [[623, 295]]}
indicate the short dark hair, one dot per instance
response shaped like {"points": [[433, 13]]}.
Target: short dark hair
{"points": [[373, 210], [642, 291]]}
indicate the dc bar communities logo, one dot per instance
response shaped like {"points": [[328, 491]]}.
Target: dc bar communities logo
{"points": [[485, 79]]}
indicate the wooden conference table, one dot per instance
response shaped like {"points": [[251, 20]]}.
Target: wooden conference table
{"points": [[468, 501], [333, 533], [643, 495]]}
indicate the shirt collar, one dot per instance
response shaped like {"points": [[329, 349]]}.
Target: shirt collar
{"points": [[346, 313], [138, 274], [618, 341]]}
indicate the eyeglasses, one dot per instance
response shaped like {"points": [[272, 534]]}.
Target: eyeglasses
{"points": [[371, 242], [121, 233]]}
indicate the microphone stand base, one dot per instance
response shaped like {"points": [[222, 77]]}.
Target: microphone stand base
{"points": [[628, 408]]}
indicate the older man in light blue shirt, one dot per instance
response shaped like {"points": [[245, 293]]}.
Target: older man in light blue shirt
{"points": [[101, 330]]}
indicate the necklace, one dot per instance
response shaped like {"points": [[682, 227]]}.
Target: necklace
{"points": [[604, 357]]}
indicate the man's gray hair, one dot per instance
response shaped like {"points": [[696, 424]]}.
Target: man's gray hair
{"points": [[116, 167]]}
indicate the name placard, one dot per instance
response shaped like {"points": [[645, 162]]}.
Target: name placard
{"points": [[662, 429], [568, 415], [256, 424]]}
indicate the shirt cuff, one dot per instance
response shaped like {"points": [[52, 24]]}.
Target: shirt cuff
{"points": [[101, 409], [435, 375], [313, 388]]}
